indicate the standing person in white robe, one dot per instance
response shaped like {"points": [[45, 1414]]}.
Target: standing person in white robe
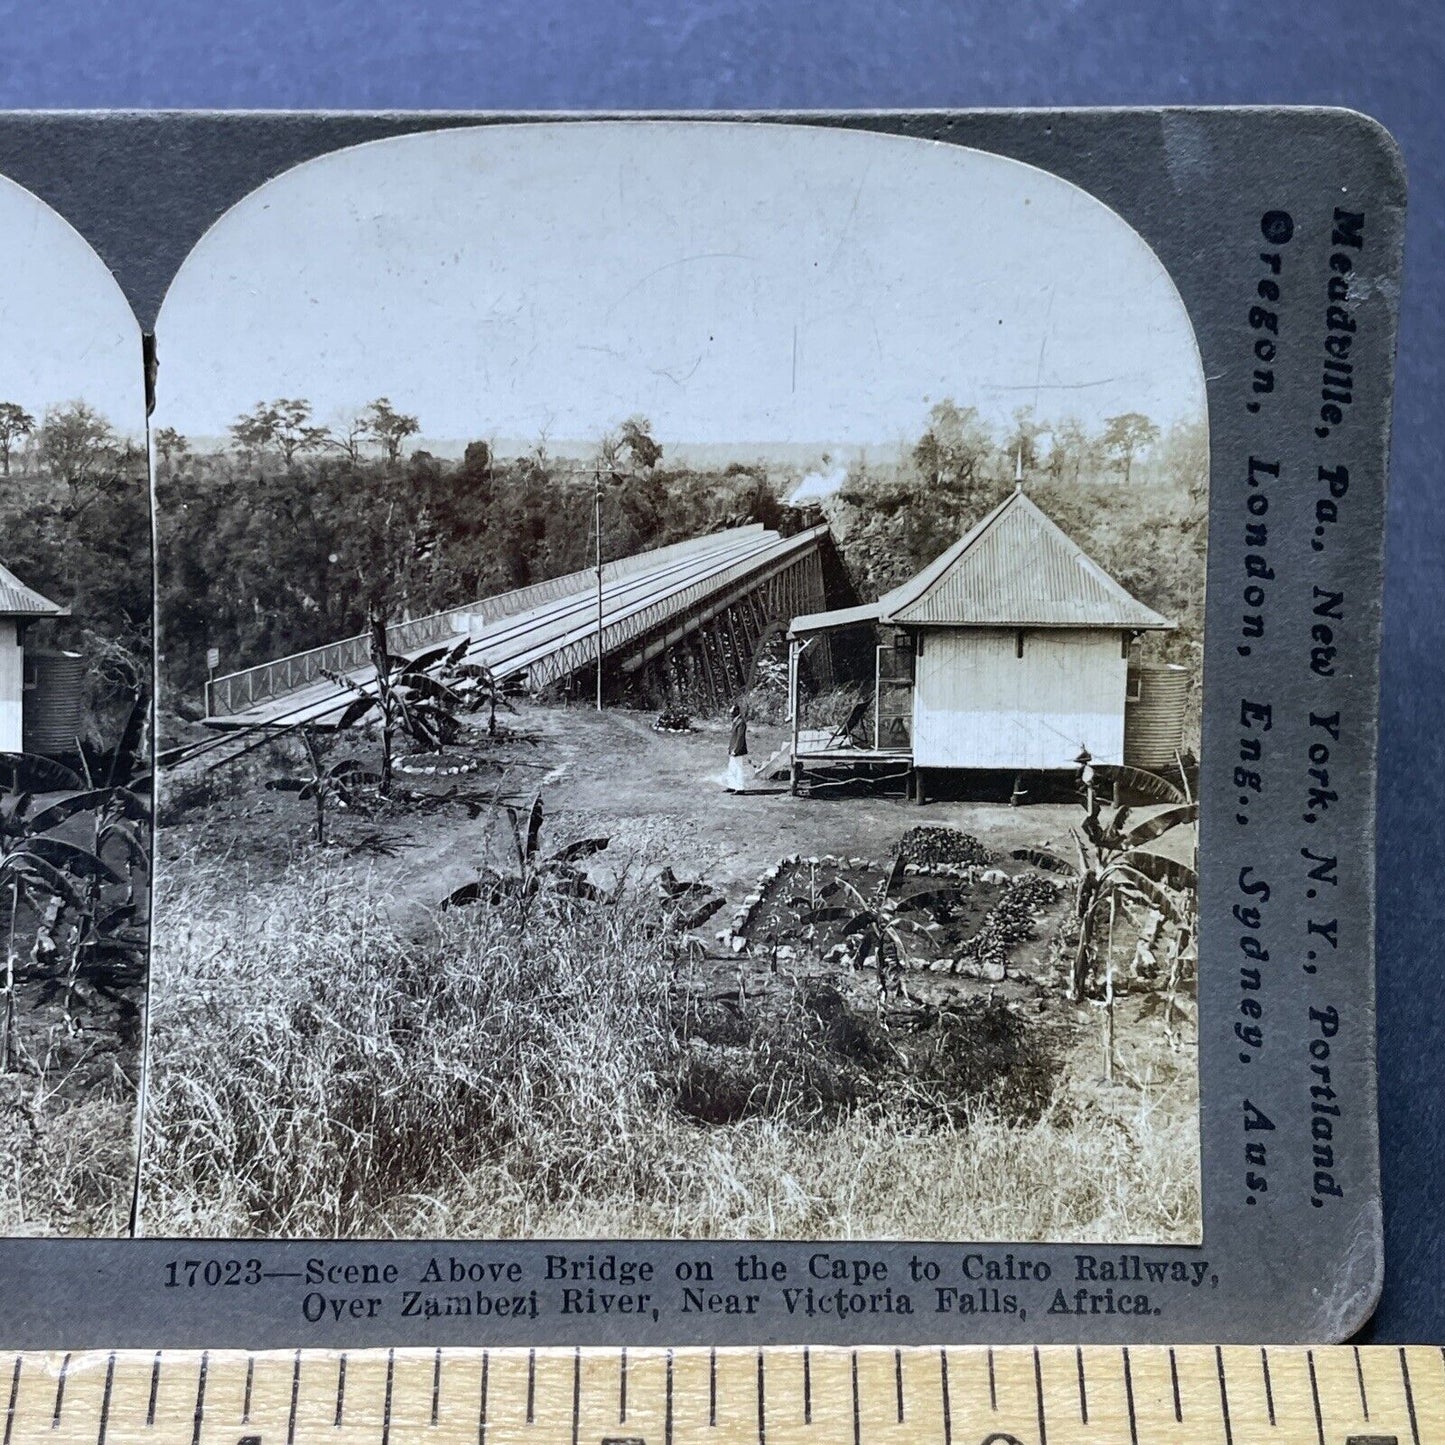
{"points": [[739, 772]]}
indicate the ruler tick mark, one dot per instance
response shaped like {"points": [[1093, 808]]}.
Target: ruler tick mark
{"points": [[1129, 1398], [622, 1388], [1083, 1389], [155, 1387], [295, 1397], [762, 1403], [1360, 1381], [1174, 1381], [992, 1384], [1223, 1396], [857, 1409], [1039, 1391], [667, 1416], [60, 1393], [807, 1386], [200, 1413], [1315, 1396], [386, 1403], [1268, 1383], [531, 1386], [482, 1408], [576, 1392], [340, 1391], [1409, 1396], [250, 1381], [105, 1398], [14, 1396], [898, 1381], [436, 1385], [943, 1385], [712, 1387]]}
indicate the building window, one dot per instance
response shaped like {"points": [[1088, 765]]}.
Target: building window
{"points": [[1134, 687], [1019, 643]]}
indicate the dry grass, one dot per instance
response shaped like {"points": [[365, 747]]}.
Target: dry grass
{"points": [[317, 1072], [67, 1165]]}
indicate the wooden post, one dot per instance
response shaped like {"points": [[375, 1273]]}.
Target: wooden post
{"points": [[1109, 995], [795, 769], [714, 696], [597, 523], [740, 666]]}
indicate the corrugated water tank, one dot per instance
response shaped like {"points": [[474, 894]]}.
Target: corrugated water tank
{"points": [[54, 701], [1157, 700]]}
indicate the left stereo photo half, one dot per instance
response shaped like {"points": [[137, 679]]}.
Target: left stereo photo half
{"points": [[75, 747]]}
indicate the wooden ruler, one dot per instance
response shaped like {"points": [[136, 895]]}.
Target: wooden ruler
{"points": [[784, 1395]]}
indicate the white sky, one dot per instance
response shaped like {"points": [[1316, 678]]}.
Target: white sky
{"points": [[734, 283], [66, 332]]}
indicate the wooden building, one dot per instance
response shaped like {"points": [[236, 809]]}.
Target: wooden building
{"points": [[19, 607], [1010, 652]]}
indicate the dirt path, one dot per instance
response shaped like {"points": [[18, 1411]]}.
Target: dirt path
{"points": [[658, 796]]}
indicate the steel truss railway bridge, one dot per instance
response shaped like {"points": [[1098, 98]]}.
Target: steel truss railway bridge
{"points": [[694, 613]]}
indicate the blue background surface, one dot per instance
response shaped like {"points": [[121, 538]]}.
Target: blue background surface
{"points": [[1386, 58]]}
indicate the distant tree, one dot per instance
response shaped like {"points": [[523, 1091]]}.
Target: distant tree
{"points": [[636, 439], [1125, 436], [294, 430], [254, 430], [348, 441], [1183, 457], [1069, 449], [477, 458], [285, 424], [953, 449], [171, 446], [79, 449], [389, 427], [15, 422], [1023, 438]]}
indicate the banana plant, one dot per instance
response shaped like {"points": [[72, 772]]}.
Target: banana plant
{"points": [[556, 873], [44, 875], [325, 785], [406, 696], [1116, 864], [877, 931], [475, 685]]}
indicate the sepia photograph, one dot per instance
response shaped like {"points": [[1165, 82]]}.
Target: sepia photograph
{"points": [[678, 699], [75, 746]]}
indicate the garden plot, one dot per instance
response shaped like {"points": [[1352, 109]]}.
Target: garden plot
{"points": [[971, 918]]}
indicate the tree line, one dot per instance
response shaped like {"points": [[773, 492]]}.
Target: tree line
{"points": [[293, 534], [75, 517], [1132, 494], [959, 445]]}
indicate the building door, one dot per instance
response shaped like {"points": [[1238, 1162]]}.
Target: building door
{"points": [[893, 697]]}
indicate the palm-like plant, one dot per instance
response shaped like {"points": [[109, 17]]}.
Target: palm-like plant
{"points": [[474, 684], [325, 784], [557, 873], [1116, 864], [44, 875], [406, 696], [877, 931]]}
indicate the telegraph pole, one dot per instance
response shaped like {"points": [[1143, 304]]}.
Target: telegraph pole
{"points": [[597, 531]]}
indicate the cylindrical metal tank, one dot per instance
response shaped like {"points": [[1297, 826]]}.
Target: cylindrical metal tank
{"points": [[54, 701], [1158, 697]]}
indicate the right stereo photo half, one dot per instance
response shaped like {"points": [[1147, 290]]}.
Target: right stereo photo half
{"points": [[679, 699]]}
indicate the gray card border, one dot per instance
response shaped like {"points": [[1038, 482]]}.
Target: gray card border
{"points": [[1195, 183]]}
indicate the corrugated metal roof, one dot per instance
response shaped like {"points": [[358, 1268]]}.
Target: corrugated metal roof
{"points": [[1016, 568], [18, 600], [832, 621]]}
